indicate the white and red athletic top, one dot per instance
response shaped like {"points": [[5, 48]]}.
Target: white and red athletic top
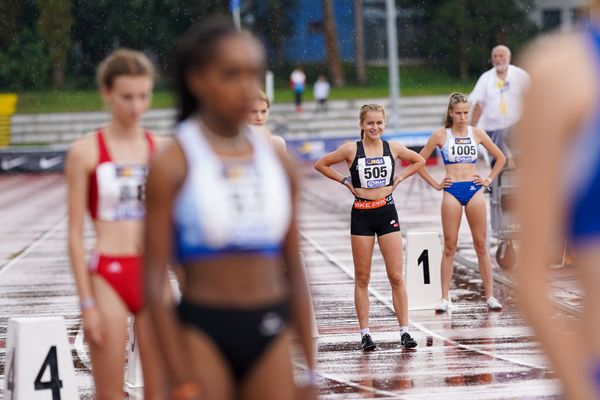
{"points": [[117, 190]]}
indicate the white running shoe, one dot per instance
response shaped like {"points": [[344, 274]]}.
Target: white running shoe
{"points": [[493, 304], [442, 306]]}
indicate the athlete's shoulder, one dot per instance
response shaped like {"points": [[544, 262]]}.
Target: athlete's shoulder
{"points": [[86, 144], [554, 52], [396, 146], [161, 141], [347, 148], [477, 132], [82, 153], [565, 64], [439, 134]]}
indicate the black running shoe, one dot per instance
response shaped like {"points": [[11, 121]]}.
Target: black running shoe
{"points": [[407, 341], [367, 344]]}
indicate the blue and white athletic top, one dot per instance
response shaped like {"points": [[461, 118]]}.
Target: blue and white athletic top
{"points": [[582, 175], [229, 205], [460, 150]]}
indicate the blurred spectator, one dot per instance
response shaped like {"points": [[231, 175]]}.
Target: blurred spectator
{"points": [[498, 97], [321, 93], [298, 83]]}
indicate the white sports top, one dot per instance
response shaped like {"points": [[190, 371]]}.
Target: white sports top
{"points": [[460, 150], [229, 205]]}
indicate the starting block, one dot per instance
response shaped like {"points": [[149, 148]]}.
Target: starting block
{"points": [[39, 365], [423, 279]]}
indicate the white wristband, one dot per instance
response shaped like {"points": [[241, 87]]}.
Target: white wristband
{"points": [[87, 304], [311, 378]]}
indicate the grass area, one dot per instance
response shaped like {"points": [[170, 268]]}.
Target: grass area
{"points": [[414, 81]]}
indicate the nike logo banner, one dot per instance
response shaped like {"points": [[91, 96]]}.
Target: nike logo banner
{"points": [[13, 160]]}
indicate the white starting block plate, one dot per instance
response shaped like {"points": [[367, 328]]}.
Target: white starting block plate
{"points": [[423, 280], [39, 365]]}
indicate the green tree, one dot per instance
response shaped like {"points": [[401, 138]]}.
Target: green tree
{"points": [[461, 33], [152, 26], [24, 64], [359, 43], [10, 13], [332, 51], [272, 21], [54, 25]]}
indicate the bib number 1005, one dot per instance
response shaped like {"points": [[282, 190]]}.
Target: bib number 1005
{"points": [[463, 150]]}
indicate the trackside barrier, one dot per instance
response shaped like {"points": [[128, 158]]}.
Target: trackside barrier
{"points": [[39, 365], [8, 106], [423, 281]]}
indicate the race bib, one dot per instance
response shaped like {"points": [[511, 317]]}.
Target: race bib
{"points": [[375, 172], [247, 222], [462, 150], [121, 190]]}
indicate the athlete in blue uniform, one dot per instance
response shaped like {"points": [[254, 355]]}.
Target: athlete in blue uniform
{"points": [[372, 181], [560, 198], [458, 143], [221, 199]]}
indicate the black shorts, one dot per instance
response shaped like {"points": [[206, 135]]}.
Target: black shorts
{"points": [[242, 335], [374, 217]]}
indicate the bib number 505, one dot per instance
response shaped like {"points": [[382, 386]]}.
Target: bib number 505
{"points": [[375, 172]]}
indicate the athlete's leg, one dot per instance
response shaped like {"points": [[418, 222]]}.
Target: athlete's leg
{"points": [[476, 213], [271, 377], [451, 216], [155, 378], [208, 365], [108, 359], [362, 253], [391, 249]]}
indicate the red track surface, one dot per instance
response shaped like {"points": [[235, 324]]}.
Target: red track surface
{"points": [[467, 354]]}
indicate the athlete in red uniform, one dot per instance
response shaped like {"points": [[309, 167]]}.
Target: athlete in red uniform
{"points": [[106, 172]]}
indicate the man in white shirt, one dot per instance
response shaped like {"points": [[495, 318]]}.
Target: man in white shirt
{"points": [[497, 97], [321, 93]]}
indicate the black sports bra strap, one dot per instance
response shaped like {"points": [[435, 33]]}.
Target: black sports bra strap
{"points": [[386, 149], [360, 149]]}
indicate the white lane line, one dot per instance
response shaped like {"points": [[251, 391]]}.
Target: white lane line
{"points": [[375, 293], [33, 245], [355, 385]]}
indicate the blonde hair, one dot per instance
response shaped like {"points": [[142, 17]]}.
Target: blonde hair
{"points": [[123, 62], [363, 114], [455, 98], [260, 95]]}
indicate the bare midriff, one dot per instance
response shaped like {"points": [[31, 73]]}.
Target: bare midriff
{"points": [[236, 281]]}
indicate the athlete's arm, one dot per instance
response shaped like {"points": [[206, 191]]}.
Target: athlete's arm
{"points": [[482, 138], [403, 153], [343, 153], [435, 140], [296, 274], [543, 132], [166, 174], [77, 171]]}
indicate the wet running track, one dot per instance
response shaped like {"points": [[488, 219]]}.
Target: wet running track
{"points": [[469, 353]]}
